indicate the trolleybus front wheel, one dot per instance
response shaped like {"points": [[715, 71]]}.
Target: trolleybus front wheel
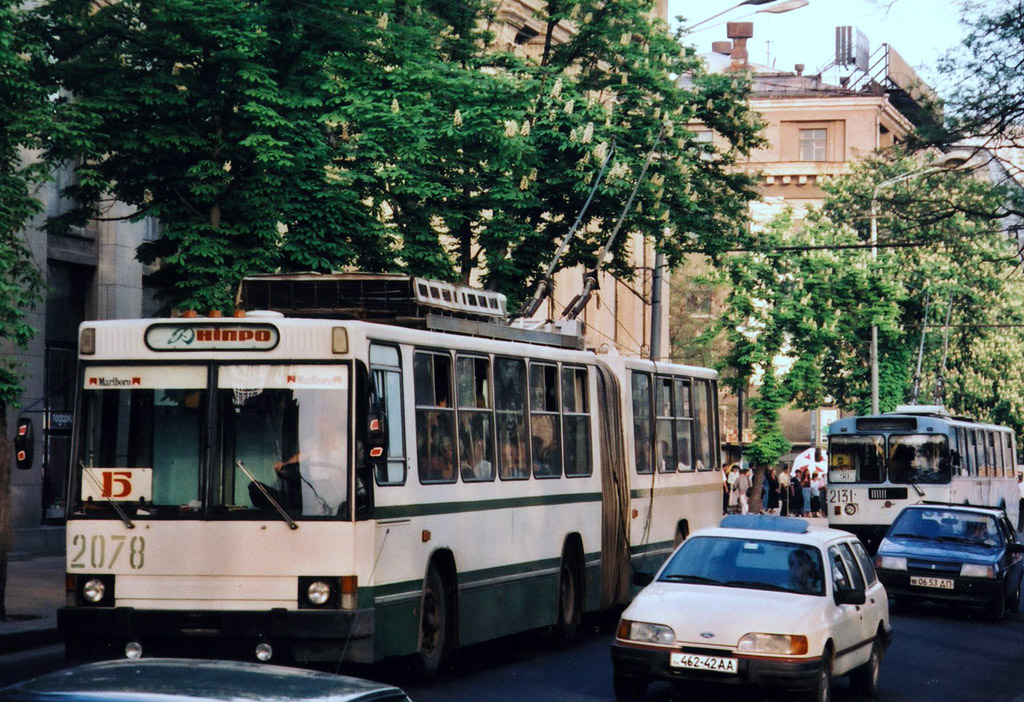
{"points": [[434, 628]]}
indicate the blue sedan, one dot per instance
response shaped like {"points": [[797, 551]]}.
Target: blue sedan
{"points": [[954, 554]]}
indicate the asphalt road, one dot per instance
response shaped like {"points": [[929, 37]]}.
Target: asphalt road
{"points": [[937, 654]]}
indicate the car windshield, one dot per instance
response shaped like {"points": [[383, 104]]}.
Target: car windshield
{"points": [[956, 526], [748, 563], [919, 458]]}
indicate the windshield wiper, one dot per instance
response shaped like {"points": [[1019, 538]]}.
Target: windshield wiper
{"points": [[676, 577], [758, 585], [266, 493], [908, 535], [112, 502]]}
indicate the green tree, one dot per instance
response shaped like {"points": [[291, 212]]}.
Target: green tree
{"points": [[22, 117], [805, 298], [387, 136]]}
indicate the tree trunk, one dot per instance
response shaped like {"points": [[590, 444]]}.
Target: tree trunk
{"points": [[6, 539], [756, 502]]}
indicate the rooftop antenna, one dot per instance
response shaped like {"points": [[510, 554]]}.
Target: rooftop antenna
{"points": [[579, 303], [940, 382], [531, 305], [920, 353]]}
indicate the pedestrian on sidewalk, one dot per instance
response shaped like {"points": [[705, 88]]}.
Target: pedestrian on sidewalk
{"points": [[742, 488], [1020, 507], [785, 486]]}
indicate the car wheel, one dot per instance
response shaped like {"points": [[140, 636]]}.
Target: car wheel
{"points": [[822, 690], [569, 600], [864, 680], [997, 606], [434, 628], [628, 687]]}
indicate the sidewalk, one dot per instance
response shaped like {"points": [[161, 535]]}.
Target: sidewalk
{"points": [[35, 590]]}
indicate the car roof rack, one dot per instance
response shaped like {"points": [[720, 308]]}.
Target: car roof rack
{"points": [[765, 522]]}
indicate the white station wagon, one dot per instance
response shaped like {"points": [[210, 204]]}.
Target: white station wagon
{"points": [[760, 600]]}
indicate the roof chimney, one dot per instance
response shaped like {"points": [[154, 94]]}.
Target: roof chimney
{"points": [[739, 32], [722, 47], [799, 69]]}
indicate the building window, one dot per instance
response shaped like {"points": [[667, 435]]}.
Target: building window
{"points": [[812, 144]]}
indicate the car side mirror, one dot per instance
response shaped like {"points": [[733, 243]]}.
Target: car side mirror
{"points": [[850, 596], [642, 579]]}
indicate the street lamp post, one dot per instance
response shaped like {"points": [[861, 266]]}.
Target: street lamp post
{"points": [[950, 161]]}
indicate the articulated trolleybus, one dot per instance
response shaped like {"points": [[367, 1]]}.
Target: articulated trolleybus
{"points": [[879, 464], [370, 466]]}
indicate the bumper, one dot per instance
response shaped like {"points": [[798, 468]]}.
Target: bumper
{"points": [[301, 635], [975, 591], [653, 664]]}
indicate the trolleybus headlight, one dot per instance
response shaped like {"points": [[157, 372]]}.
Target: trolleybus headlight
{"points": [[94, 590], [973, 570], [782, 644], [264, 652], [133, 650], [318, 592], [643, 631], [891, 562]]}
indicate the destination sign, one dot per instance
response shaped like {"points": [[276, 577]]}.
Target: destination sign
{"points": [[212, 337]]}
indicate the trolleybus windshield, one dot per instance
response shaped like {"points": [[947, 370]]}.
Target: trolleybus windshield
{"points": [[919, 458], [280, 435], [856, 459]]}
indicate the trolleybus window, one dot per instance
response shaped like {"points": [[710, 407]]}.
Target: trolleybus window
{"points": [[703, 426], [683, 424], [664, 440], [544, 421], [435, 417], [386, 391], [284, 439], [510, 406], [476, 418], [856, 459], [641, 386], [576, 422], [140, 439], [918, 458]]}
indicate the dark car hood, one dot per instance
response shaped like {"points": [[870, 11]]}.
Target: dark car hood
{"points": [[940, 550]]}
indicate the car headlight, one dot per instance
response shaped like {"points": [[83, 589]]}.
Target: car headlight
{"points": [[318, 592], [784, 644], [973, 570], [648, 633], [94, 590], [891, 562]]}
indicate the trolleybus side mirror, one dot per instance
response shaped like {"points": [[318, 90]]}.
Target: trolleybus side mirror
{"points": [[376, 433], [23, 444]]}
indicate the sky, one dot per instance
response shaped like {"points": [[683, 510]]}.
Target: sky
{"points": [[919, 30]]}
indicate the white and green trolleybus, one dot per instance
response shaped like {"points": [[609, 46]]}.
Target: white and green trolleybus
{"points": [[367, 466], [879, 464]]}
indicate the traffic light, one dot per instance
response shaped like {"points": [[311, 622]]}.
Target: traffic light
{"points": [[23, 444]]}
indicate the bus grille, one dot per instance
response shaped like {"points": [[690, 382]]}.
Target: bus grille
{"points": [[887, 493]]}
